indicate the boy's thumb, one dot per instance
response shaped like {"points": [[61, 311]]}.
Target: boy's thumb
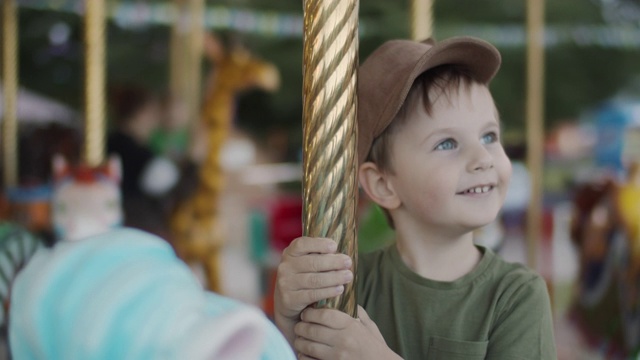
{"points": [[363, 316], [368, 323]]}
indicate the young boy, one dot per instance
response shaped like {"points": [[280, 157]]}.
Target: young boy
{"points": [[430, 154]]}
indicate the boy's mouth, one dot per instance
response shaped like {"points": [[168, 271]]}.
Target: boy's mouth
{"points": [[480, 189]]}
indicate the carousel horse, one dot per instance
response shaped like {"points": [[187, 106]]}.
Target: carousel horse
{"points": [[124, 294], [86, 200], [17, 246], [605, 227], [28, 204], [196, 233]]}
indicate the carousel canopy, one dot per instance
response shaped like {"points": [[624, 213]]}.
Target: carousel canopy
{"points": [[37, 109]]}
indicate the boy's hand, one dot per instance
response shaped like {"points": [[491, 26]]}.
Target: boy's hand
{"points": [[309, 271], [332, 334]]}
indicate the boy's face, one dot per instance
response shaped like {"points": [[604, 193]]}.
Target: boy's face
{"points": [[450, 171]]}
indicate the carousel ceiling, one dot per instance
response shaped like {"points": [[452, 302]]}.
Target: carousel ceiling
{"points": [[580, 38]]}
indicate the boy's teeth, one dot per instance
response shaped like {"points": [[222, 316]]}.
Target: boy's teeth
{"points": [[479, 189]]}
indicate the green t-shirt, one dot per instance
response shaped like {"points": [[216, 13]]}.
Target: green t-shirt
{"points": [[498, 311]]}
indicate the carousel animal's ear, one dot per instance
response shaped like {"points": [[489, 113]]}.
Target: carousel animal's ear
{"points": [[114, 168], [213, 47], [60, 167]]}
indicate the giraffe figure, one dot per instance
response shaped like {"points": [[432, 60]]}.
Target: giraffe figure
{"points": [[195, 227]]}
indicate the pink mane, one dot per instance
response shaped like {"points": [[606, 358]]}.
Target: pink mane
{"points": [[85, 174]]}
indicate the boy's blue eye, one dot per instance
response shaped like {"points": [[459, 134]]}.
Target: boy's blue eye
{"points": [[489, 138], [448, 144]]}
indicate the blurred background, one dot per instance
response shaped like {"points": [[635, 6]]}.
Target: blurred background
{"points": [[226, 124]]}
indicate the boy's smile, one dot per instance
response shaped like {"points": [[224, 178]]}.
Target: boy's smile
{"points": [[478, 190], [449, 169]]}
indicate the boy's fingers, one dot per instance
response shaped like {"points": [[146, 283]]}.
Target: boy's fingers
{"points": [[320, 263], [315, 295], [314, 271], [305, 357], [314, 332], [322, 280], [368, 323], [330, 318], [310, 281], [363, 316], [306, 245], [312, 349]]}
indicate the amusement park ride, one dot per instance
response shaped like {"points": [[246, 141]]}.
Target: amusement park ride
{"points": [[330, 62], [606, 223], [606, 229]]}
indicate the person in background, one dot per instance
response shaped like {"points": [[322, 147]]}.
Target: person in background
{"points": [[171, 137], [146, 177]]}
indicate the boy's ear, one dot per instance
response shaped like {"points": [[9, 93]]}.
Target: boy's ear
{"points": [[377, 186]]}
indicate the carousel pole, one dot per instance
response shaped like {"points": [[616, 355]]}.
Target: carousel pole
{"points": [[421, 19], [187, 37], [330, 62], [10, 91], [195, 44], [95, 125], [177, 59], [535, 123]]}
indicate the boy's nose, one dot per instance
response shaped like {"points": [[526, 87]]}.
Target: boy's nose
{"points": [[480, 159]]}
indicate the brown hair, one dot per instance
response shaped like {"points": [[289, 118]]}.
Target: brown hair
{"points": [[127, 100], [428, 87]]}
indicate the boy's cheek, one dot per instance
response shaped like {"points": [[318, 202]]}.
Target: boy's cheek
{"points": [[509, 168], [505, 169]]}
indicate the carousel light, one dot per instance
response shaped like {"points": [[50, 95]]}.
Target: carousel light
{"points": [[59, 33]]}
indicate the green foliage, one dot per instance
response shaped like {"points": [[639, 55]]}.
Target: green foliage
{"points": [[374, 231]]}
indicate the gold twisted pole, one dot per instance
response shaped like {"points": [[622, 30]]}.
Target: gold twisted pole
{"points": [[94, 126], [10, 84], [535, 122], [421, 19], [330, 63]]}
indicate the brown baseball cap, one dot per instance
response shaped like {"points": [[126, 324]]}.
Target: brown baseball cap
{"points": [[386, 76]]}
